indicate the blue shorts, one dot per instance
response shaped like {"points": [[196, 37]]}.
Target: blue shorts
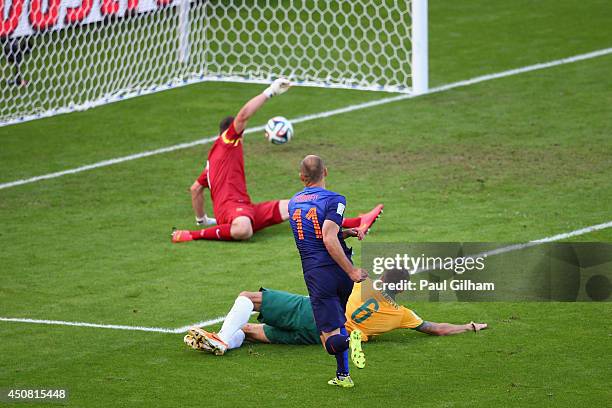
{"points": [[329, 289]]}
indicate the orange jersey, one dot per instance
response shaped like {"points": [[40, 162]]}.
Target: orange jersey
{"points": [[371, 313]]}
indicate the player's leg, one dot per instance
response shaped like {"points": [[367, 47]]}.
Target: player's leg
{"points": [[255, 333], [242, 228], [217, 233], [351, 222], [230, 336], [283, 208], [235, 229], [323, 286], [345, 288], [231, 332], [336, 343], [264, 333], [287, 311], [245, 220], [269, 213], [287, 318], [220, 232], [239, 315], [446, 329], [364, 221], [255, 297]]}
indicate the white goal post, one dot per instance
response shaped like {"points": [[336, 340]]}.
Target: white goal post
{"points": [[65, 55]]}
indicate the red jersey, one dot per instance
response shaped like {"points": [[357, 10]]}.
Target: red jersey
{"points": [[224, 172]]}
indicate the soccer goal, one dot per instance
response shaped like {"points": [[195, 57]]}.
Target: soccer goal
{"points": [[65, 55]]}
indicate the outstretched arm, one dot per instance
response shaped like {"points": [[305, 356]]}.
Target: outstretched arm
{"points": [[248, 110], [446, 329]]}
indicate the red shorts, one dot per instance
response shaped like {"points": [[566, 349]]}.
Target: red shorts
{"points": [[262, 215]]}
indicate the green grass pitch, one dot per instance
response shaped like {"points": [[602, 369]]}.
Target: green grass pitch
{"points": [[507, 160]]}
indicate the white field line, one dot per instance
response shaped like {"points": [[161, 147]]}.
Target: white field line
{"points": [[320, 115], [518, 247], [205, 323], [554, 238], [114, 326], [83, 324]]}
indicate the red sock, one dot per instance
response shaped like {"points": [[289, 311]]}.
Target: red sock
{"points": [[216, 233], [351, 222]]}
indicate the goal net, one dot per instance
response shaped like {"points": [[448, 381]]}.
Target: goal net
{"points": [[66, 55]]}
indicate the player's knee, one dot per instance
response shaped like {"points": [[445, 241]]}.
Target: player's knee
{"points": [[254, 332], [335, 342], [248, 329], [242, 231], [252, 296], [325, 345], [242, 234], [330, 351], [283, 208], [249, 332]]}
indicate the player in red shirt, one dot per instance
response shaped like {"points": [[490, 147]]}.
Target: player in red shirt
{"points": [[237, 218]]}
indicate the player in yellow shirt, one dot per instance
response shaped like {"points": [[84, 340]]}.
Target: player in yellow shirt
{"points": [[375, 313], [286, 318]]}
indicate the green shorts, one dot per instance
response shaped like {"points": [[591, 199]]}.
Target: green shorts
{"points": [[287, 318]]}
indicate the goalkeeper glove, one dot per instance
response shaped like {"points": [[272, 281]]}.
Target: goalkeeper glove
{"points": [[205, 221], [278, 87]]}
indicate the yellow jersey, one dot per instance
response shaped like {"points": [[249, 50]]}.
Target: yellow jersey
{"points": [[369, 311]]}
